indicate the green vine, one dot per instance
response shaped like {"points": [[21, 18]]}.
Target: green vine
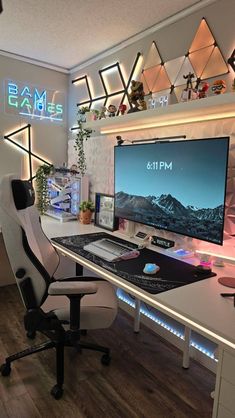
{"points": [[42, 187], [82, 135]]}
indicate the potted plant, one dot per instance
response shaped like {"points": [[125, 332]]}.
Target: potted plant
{"points": [[82, 135], [41, 176], [86, 208]]}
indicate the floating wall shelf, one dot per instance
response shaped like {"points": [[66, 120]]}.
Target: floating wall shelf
{"points": [[207, 109]]}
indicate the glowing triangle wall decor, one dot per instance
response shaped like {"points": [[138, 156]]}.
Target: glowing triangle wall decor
{"points": [[203, 58], [153, 58], [13, 138], [205, 55]]}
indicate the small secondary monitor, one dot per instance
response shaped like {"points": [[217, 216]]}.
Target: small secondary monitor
{"points": [[179, 186]]}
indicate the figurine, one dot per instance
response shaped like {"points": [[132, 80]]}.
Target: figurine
{"points": [[203, 88], [218, 87], [112, 110], [136, 96], [102, 113], [122, 109], [73, 169], [189, 78], [95, 114], [189, 93]]}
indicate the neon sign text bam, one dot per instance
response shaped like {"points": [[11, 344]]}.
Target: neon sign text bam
{"points": [[34, 101]]}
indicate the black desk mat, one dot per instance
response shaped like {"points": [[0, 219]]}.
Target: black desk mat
{"points": [[173, 273]]}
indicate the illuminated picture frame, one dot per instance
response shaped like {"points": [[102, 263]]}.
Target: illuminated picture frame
{"points": [[104, 212]]}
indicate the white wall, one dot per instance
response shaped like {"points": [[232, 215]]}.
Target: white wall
{"points": [[172, 41], [49, 139]]}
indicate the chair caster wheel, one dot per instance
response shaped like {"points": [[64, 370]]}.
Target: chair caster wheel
{"points": [[57, 392], [31, 335], [5, 369], [105, 359]]}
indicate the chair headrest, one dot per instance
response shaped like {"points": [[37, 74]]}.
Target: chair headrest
{"points": [[23, 193]]}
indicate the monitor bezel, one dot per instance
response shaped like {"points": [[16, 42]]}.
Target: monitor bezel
{"points": [[153, 141]]}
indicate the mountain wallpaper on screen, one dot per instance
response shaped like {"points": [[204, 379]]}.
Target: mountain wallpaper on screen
{"points": [[166, 212]]}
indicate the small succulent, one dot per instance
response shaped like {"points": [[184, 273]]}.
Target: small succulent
{"points": [[87, 205]]}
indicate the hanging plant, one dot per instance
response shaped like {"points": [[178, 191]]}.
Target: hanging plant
{"points": [[82, 135], [43, 200]]}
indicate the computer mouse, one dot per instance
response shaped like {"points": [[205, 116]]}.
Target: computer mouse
{"points": [[151, 268]]}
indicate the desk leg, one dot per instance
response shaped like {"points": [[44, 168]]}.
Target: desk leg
{"points": [[137, 316], [218, 383], [186, 356]]}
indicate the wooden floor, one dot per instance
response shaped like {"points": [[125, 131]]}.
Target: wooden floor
{"points": [[144, 380]]}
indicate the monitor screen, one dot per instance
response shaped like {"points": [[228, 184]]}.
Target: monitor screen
{"points": [[178, 186]]}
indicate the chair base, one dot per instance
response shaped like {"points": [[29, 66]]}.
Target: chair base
{"points": [[57, 390]]}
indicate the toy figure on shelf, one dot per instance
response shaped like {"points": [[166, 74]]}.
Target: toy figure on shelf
{"points": [[218, 87], [102, 114], [203, 88], [122, 109], [189, 77], [189, 93], [112, 110], [73, 169], [95, 114], [136, 97]]}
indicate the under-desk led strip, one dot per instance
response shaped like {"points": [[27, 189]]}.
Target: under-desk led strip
{"points": [[163, 324], [158, 305]]}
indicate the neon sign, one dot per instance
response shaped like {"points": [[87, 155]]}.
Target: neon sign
{"points": [[33, 102]]}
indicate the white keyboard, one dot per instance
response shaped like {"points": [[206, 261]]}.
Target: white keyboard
{"points": [[110, 250]]}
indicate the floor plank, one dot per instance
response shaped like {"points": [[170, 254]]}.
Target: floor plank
{"points": [[144, 380]]}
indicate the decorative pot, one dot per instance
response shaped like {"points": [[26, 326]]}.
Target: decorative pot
{"points": [[85, 216]]}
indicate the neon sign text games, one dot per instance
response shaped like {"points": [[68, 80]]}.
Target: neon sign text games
{"points": [[33, 101]]}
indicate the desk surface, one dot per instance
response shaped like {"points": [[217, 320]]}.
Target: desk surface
{"points": [[198, 305]]}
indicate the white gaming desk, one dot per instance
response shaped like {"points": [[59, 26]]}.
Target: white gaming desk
{"points": [[198, 306]]}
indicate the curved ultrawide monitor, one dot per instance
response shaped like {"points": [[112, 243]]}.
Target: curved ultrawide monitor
{"points": [[178, 186]]}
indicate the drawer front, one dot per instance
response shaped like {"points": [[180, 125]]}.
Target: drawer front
{"points": [[224, 413], [228, 368], [227, 396]]}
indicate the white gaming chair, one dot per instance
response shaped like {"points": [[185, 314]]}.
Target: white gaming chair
{"points": [[60, 309]]}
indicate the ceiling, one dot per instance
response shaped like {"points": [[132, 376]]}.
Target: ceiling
{"points": [[67, 33]]}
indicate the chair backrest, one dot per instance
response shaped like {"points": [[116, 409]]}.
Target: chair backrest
{"points": [[27, 246]]}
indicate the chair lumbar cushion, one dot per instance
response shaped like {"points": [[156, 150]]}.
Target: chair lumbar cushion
{"points": [[23, 194]]}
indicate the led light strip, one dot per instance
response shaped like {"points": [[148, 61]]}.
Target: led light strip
{"points": [[164, 325], [195, 119], [21, 148], [147, 299]]}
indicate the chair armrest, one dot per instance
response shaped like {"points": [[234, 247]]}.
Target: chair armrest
{"points": [[71, 288], [80, 279]]}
